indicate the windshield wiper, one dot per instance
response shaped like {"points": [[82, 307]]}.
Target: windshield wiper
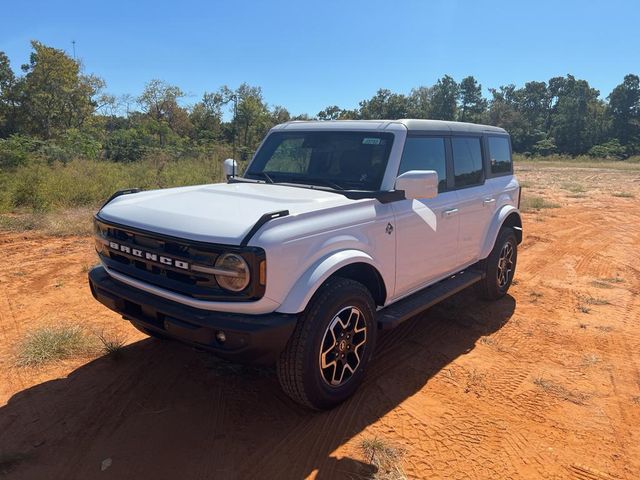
{"points": [[266, 176], [317, 180]]}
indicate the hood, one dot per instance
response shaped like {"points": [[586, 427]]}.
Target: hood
{"points": [[218, 213]]}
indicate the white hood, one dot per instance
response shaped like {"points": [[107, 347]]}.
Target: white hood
{"points": [[218, 213]]}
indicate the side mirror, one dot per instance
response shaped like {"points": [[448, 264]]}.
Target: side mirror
{"points": [[230, 166], [418, 184]]}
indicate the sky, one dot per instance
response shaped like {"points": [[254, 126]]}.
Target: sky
{"points": [[307, 55]]}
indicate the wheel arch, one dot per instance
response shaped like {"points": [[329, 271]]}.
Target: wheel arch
{"points": [[507, 216], [353, 264]]}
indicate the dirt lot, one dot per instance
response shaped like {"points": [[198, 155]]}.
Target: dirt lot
{"points": [[542, 384]]}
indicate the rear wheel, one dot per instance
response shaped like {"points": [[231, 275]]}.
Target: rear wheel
{"points": [[500, 266], [325, 360]]}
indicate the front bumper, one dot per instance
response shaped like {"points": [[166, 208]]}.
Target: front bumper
{"points": [[257, 339]]}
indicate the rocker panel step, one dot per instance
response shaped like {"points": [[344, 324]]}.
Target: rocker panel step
{"points": [[396, 313]]}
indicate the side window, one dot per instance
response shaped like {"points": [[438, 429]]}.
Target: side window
{"points": [[499, 154], [425, 153], [467, 161]]}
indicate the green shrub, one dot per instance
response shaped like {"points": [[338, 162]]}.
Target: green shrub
{"points": [[17, 150], [610, 149], [125, 145]]}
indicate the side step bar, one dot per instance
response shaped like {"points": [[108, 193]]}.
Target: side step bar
{"points": [[396, 313]]}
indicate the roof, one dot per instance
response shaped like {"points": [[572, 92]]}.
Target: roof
{"points": [[412, 125]]}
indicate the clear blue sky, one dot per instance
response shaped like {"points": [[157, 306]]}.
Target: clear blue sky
{"points": [[308, 55]]}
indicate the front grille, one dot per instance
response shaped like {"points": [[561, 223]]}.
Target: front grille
{"points": [[144, 252]]}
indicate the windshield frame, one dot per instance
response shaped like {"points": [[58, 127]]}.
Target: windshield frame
{"points": [[329, 183]]}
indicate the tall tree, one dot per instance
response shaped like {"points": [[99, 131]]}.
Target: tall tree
{"points": [[420, 102], [206, 117], [251, 119], [159, 102], [574, 115], [443, 100], [54, 95], [473, 106], [385, 105], [624, 109], [8, 106]]}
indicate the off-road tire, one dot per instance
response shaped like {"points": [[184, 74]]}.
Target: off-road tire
{"points": [[299, 368], [490, 288]]}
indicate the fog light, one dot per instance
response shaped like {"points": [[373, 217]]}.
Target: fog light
{"points": [[220, 336]]}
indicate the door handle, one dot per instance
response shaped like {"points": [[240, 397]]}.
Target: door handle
{"points": [[489, 201], [450, 213]]}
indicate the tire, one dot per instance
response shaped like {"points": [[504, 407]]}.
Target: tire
{"points": [[325, 359], [500, 266]]}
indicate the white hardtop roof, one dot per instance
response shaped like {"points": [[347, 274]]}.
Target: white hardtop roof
{"points": [[390, 125]]}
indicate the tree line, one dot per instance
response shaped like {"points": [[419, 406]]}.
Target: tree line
{"points": [[52, 110]]}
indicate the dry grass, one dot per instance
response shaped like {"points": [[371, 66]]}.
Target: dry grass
{"points": [[533, 203], [50, 344], [589, 300], [474, 382], [574, 187], [583, 308], [522, 162], [623, 194], [74, 221], [385, 457], [112, 346], [560, 391]]}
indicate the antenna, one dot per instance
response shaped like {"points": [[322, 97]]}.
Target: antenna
{"points": [[73, 42]]}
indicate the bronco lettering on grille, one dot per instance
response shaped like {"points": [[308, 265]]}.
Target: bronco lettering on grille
{"points": [[154, 257]]}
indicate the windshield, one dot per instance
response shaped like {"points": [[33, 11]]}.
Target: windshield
{"points": [[337, 160]]}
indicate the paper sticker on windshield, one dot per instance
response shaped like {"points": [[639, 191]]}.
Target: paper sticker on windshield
{"points": [[371, 141]]}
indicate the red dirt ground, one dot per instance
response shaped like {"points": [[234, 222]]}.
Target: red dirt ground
{"points": [[544, 383]]}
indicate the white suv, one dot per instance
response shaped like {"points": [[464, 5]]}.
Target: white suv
{"points": [[334, 231]]}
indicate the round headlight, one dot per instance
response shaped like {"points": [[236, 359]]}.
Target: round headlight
{"points": [[238, 275]]}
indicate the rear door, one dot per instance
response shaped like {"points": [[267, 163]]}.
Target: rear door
{"points": [[427, 229], [476, 203]]}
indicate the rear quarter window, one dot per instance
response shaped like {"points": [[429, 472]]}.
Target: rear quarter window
{"points": [[500, 155]]}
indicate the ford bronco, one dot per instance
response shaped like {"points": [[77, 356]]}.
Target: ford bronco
{"points": [[335, 230]]}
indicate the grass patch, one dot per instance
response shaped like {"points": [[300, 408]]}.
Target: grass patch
{"points": [[50, 344], [560, 391], [530, 163], [385, 457], [72, 221], [623, 194], [533, 204], [42, 187], [607, 283], [589, 300], [112, 346], [574, 187], [583, 309]]}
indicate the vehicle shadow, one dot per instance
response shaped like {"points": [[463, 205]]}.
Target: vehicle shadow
{"points": [[167, 411]]}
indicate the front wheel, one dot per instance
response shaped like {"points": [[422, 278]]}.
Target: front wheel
{"points": [[500, 266], [325, 360]]}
